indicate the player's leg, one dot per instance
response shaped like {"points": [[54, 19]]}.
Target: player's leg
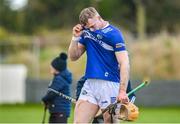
{"points": [[107, 117], [79, 86], [86, 106], [108, 96], [84, 111], [97, 118]]}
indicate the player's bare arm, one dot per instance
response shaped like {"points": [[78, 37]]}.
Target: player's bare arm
{"points": [[76, 49], [123, 61]]}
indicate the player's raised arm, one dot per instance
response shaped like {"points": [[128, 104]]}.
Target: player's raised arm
{"points": [[76, 49]]}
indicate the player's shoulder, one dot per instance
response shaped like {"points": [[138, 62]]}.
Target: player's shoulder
{"points": [[111, 30], [115, 28], [115, 32], [108, 29]]}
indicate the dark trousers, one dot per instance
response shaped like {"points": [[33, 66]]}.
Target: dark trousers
{"points": [[58, 118]]}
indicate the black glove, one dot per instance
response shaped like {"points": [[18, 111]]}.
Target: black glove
{"points": [[48, 98], [46, 103]]}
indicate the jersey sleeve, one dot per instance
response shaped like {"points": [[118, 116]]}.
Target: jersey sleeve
{"points": [[118, 42], [82, 41]]}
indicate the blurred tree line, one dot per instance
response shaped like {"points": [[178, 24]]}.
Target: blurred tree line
{"points": [[53, 14], [51, 20]]}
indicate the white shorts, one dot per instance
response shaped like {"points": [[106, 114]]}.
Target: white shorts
{"points": [[99, 92]]}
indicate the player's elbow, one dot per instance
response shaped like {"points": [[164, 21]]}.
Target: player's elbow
{"points": [[125, 64], [73, 57]]}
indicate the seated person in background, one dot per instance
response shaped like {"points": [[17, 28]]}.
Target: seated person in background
{"points": [[59, 108]]}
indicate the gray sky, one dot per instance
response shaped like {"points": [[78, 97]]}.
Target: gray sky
{"points": [[18, 4]]}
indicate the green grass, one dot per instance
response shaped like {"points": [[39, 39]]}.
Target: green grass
{"points": [[33, 113]]}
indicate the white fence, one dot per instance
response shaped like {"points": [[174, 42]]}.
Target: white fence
{"points": [[12, 83]]}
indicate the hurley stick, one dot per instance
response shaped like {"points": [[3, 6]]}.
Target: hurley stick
{"points": [[143, 84]]}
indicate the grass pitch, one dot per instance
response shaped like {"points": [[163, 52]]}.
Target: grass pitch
{"points": [[33, 113]]}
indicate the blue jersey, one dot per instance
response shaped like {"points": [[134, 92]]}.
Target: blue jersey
{"points": [[101, 46]]}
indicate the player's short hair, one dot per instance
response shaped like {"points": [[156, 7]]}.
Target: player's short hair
{"points": [[87, 13]]}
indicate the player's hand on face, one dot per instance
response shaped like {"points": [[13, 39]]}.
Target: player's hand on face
{"points": [[77, 30], [123, 97]]}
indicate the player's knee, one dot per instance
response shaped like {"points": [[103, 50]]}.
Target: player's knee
{"points": [[80, 120], [107, 117]]}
